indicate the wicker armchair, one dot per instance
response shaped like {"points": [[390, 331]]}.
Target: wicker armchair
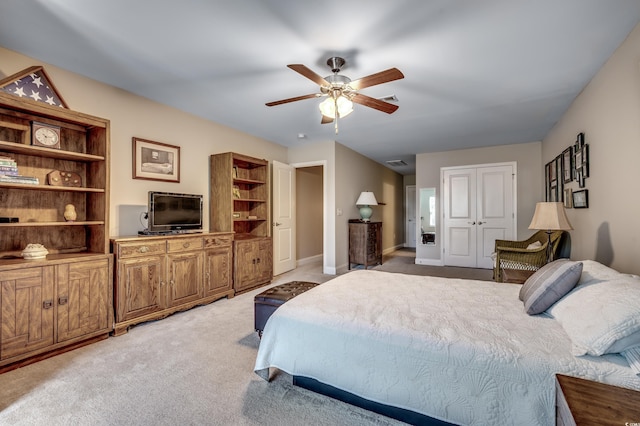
{"points": [[514, 255]]}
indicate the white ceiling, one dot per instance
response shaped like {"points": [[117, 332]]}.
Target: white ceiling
{"points": [[477, 73]]}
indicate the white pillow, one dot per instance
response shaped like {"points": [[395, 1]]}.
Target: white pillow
{"points": [[593, 272], [601, 316]]}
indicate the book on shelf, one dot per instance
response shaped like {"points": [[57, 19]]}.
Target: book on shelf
{"points": [[8, 170], [32, 180], [7, 161]]}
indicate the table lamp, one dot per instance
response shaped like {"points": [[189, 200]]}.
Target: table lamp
{"points": [[365, 200], [550, 217]]}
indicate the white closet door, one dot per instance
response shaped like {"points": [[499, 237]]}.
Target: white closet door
{"points": [[460, 217], [478, 209]]}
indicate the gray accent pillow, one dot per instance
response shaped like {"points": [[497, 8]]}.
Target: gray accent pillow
{"points": [[548, 284]]}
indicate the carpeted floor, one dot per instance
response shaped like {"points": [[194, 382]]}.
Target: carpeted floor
{"points": [[192, 368], [403, 261]]}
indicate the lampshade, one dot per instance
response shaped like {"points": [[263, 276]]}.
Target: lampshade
{"points": [[366, 199], [550, 217], [328, 107]]}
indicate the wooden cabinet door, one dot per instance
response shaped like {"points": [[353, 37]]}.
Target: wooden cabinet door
{"points": [[217, 267], [27, 305], [244, 264], [185, 277], [140, 287], [253, 263], [264, 261], [84, 299]]}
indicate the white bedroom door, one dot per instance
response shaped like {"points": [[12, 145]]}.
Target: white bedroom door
{"points": [[284, 218], [479, 207], [410, 213]]}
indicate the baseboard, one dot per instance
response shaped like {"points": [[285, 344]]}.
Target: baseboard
{"points": [[329, 271], [308, 260], [392, 249], [429, 262]]}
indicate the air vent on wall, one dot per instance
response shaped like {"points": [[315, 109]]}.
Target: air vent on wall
{"points": [[396, 163]]}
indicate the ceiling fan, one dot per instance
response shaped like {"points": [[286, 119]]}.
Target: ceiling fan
{"points": [[342, 92]]}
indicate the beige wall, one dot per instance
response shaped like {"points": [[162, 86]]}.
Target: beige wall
{"points": [[132, 115], [608, 112], [354, 174], [530, 189], [346, 174], [309, 212]]}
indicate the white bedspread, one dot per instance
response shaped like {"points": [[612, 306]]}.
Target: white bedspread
{"points": [[457, 350]]}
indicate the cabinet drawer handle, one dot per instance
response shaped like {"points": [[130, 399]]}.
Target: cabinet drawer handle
{"points": [[62, 300], [143, 249], [186, 245], [47, 304]]}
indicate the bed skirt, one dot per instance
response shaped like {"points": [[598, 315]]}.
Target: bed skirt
{"points": [[406, 416]]}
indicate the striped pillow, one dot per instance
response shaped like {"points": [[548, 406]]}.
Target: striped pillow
{"points": [[548, 284], [633, 358]]}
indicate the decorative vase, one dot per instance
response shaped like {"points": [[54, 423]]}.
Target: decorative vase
{"points": [[34, 252], [70, 214]]}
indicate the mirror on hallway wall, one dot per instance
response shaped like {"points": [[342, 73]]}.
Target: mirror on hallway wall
{"points": [[428, 216]]}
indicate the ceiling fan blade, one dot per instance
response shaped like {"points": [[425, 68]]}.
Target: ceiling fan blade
{"points": [[374, 103], [306, 72], [325, 119], [297, 98], [377, 78]]}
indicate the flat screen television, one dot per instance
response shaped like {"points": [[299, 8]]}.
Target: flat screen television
{"points": [[173, 213]]}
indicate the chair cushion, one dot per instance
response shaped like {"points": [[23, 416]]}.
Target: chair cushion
{"points": [[548, 284]]}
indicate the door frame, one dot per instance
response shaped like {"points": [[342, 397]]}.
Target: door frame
{"points": [[407, 212], [325, 213], [514, 166]]}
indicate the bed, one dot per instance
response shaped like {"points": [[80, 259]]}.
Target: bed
{"points": [[453, 350]]}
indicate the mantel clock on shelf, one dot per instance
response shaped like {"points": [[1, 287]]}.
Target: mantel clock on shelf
{"points": [[46, 135]]}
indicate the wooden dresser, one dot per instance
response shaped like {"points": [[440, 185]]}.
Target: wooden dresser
{"points": [[159, 275], [365, 243], [584, 402]]}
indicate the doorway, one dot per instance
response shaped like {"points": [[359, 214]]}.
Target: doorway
{"points": [[479, 206], [309, 214], [299, 227]]}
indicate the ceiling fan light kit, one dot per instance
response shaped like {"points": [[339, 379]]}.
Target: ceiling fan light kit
{"points": [[342, 92], [329, 106]]}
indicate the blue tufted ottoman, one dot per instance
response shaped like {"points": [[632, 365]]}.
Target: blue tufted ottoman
{"points": [[269, 300]]}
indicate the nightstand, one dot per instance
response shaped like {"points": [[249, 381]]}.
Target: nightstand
{"points": [[584, 402], [365, 243]]}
